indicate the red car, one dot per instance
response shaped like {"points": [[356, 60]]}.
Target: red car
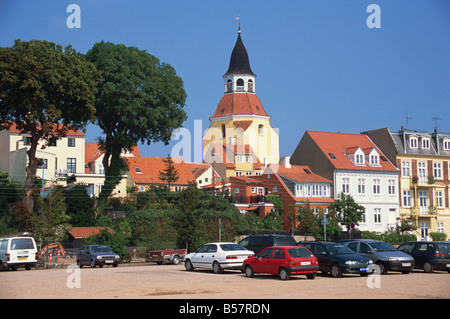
{"points": [[283, 261]]}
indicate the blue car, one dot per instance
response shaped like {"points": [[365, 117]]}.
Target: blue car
{"points": [[336, 259], [94, 255]]}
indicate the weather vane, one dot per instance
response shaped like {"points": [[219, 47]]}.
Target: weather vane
{"points": [[239, 18]]}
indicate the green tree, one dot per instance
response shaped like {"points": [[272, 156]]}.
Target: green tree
{"points": [[170, 173], [308, 221], [140, 100], [346, 210], [45, 90]]}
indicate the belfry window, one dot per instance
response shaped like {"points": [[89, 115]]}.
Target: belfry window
{"points": [[240, 85], [229, 86], [250, 86]]}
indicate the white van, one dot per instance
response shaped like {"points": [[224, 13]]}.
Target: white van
{"points": [[18, 252]]}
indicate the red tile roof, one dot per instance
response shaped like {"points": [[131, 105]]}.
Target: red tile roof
{"points": [[340, 144], [84, 232], [198, 169], [13, 129], [239, 104], [298, 173], [150, 167]]}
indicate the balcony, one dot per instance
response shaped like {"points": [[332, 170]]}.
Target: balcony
{"points": [[423, 181], [251, 200]]}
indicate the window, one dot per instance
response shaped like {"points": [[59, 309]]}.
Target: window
{"points": [[391, 187], [359, 159], [361, 185], [424, 229], [72, 165], [423, 202], [421, 167], [406, 197], [142, 188], [248, 158], [236, 190], [250, 85], [71, 142], [413, 142], [178, 188], [425, 143], [377, 215], [437, 170], [229, 86], [27, 140], [275, 189], [374, 160], [346, 185], [240, 85], [376, 186], [440, 227], [332, 155], [406, 172], [239, 173], [239, 158], [260, 129], [446, 145], [439, 199], [137, 169], [249, 173]]}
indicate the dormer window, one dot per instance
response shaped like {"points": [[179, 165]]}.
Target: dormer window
{"points": [[413, 143], [359, 159], [446, 145], [374, 160], [138, 170], [425, 143]]}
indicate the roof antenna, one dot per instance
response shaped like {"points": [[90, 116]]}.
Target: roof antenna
{"points": [[407, 120], [435, 118]]}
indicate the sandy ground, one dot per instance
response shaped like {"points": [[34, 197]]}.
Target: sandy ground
{"points": [[152, 281]]}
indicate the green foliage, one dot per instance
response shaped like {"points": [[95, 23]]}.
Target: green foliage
{"points": [[140, 100], [346, 210], [79, 206], [308, 221], [170, 173], [116, 242], [392, 238], [10, 193], [435, 236]]}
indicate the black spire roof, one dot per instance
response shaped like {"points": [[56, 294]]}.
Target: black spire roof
{"points": [[239, 62]]}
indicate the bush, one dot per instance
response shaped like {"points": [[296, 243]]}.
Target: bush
{"points": [[438, 236], [392, 238]]}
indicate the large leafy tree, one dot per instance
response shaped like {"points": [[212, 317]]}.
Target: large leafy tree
{"points": [[346, 210], [140, 100], [45, 91]]}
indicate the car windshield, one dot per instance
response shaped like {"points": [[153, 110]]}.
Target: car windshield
{"points": [[230, 247], [22, 243], [338, 249], [299, 252], [381, 246], [100, 249]]}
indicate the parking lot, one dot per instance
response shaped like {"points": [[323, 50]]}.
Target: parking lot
{"points": [[146, 280]]}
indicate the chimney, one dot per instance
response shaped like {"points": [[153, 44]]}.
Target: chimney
{"points": [[286, 161]]}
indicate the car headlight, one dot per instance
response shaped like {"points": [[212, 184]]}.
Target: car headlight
{"points": [[116, 256], [350, 262], [99, 257], [393, 259], [370, 262]]}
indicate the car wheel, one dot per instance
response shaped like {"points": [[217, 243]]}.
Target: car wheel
{"points": [[336, 271], [383, 269], [216, 268], [188, 265], [93, 263], [284, 275], [79, 264], [249, 271], [2, 266], [176, 260], [428, 267], [115, 265], [311, 276]]}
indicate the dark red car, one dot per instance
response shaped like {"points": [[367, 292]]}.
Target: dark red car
{"points": [[283, 261]]}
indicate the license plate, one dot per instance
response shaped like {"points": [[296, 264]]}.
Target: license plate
{"points": [[363, 269], [305, 263], [22, 258], [109, 261], [406, 264]]}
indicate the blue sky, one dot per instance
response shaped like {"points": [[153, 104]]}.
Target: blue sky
{"points": [[318, 65]]}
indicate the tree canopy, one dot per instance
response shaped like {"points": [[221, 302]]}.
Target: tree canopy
{"points": [[140, 100], [45, 91]]}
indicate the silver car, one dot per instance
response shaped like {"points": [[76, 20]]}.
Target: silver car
{"points": [[382, 254]]}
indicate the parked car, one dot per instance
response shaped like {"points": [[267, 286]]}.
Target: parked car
{"points": [[283, 261], [428, 255], [93, 255], [17, 252], [257, 243], [337, 259], [217, 256], [382, 254]]}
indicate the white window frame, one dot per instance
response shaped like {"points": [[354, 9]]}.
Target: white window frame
{"points": [[377, 186], [437, 170], [413, 142], [406, 168], [377, 215], [406, 198]]}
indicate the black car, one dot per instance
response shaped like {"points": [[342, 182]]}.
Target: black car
{"points": [[337, 259], [94, 255], [428, 255], [257, 243]]}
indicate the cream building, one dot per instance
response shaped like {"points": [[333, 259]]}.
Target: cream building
{"points": [[424, 163], [240, 140]]}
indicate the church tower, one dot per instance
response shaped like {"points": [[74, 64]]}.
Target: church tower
{"points": [[240, 140]]}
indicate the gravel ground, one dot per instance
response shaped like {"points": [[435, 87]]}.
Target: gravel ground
{"points": [[149, 281]]}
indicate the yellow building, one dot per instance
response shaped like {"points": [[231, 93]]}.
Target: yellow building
{"points": [[240, 140], [424, 163]]}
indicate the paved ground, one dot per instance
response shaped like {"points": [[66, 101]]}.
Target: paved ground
{"points": [[170, 281]]}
